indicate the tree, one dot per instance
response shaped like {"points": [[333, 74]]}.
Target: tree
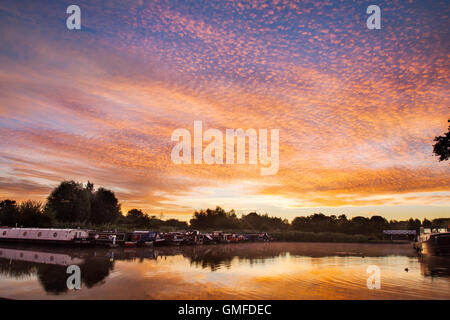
{"points": [[175, 223], [426, 223], [31, 215], [378, 224], [137, 217], [69, 202], [217, 218], [105, 207], [442, 146], [9, 213], [262, 222]]}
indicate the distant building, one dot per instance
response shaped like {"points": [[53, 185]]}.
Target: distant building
{"points": [[400, 234]]}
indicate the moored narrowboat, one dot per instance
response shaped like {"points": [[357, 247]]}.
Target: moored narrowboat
{"points": [[434, 242], [143, 238], [171, 238], [51, 236], [107, 238]]}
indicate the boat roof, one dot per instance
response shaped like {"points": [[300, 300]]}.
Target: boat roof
{"points": [[46, 229]]}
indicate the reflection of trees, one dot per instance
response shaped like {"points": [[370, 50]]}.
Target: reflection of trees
{"points": [[97, 263], [95, 270], [218, 256], [16, 269], [53, 277], [221, 256]]}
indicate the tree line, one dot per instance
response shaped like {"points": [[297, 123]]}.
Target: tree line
{"points": [[74, 204], [220, 219]]}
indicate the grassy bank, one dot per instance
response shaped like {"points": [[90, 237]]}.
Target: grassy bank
{"points": [[301, 236]]}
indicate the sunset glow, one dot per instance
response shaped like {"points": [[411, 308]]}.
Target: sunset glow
{"points": [[356, 109]]}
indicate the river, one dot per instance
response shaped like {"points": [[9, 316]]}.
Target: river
{"points": [[278, 270]]}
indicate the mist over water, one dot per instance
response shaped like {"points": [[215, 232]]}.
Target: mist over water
{"points": [[240, 271]]}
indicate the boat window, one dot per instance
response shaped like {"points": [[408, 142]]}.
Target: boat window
{"points": [[25, 233], [55, 234], [39, 234], [4, 233]]}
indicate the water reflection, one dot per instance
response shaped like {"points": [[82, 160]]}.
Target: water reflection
{"points": [[257, 268], [50, 266], [435, 266]]}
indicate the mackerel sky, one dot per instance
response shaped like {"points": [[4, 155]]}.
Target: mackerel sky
{"points": [[357, 109]]}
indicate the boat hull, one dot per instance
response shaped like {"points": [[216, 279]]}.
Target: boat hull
{"points": [[51, 242], [438, 245]]}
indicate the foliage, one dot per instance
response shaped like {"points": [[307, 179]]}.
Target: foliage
{"points": [[9, 213], [69, 201], [217, 218], [254, 221], [31, 215], [104, 206], [27, 213], [442, 146]]}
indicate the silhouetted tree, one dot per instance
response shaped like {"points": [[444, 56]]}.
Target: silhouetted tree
{"points": [[177, 224], [69, 201], [217, 218], [442, 146], [441, 222], [262, 222], [137, 217], [31, 215], [105, 207], [9, 213], [426, 223]]}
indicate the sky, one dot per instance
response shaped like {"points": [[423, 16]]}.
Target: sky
{"points": [[356, 109]]}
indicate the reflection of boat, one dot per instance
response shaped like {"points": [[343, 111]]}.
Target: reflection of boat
{"points": [[435, 266], [39, 257], [433, 242]]}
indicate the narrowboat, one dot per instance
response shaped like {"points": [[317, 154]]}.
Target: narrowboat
{"points": [[434, 242], [192, 237], [217, 236], [142, 238], [51, 236], [107, 238], [257, 237], [207, 238], [172, 238]]}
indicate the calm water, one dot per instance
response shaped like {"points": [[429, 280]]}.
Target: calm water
{"points": [[240, 271]]}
